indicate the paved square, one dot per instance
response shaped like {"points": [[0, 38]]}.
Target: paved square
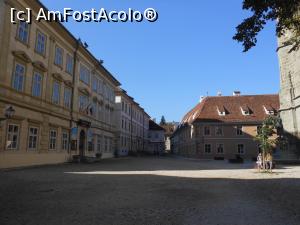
{"points": [[150, 191]]}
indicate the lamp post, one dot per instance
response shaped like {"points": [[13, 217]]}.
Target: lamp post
{"points": [[8, 113]]}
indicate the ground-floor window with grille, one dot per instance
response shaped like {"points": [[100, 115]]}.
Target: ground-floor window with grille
{"points": [[52, 139], [65, 140], [32, 138], [207, 148], [13, 133], [220, 148], [240, 149]]}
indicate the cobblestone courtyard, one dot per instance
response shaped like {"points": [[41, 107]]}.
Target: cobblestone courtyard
{"points": [[150, 191]]}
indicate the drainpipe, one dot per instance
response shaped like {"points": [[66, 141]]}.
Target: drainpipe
{"points": [[73, 88], [143, 132], [130, 126]]}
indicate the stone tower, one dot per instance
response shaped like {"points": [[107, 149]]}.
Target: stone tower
{"points": [[290, 93]]}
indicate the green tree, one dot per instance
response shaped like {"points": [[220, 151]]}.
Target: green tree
{"points": [[267, 138], [162, 121], [285, 12]]}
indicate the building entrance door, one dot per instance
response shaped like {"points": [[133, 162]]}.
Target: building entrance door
{"points": [[82, 138]]}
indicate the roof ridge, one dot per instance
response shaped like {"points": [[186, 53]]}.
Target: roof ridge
{"points": [[207, 109]]}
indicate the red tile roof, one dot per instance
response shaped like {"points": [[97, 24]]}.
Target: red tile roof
{"points": [[207, 110]]}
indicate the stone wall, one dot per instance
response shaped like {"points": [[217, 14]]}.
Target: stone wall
{"points": [[290, 91]]}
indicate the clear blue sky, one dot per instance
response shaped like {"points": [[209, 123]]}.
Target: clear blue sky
{"points": [[167, 65]]}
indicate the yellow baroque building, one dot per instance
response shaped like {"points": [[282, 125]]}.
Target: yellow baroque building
{"points": [[62, 96]]}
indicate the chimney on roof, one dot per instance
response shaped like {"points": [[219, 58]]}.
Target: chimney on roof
{"points": [[201, 98], [219, 93], [236, 93]]}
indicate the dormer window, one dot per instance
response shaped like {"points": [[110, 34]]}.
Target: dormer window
{"points": [[269, 110], [246, 111], [221, 111]]}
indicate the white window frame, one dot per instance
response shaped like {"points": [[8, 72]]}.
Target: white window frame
{"points": [[16, 84], [84, 74], [41, 43], [37, 84], [67, 97], [58, 56], [83, 102], [69, 64], [26, 29], [53, 139], [54, 100], [12, 134], [95, 81], [100, 86], [65, 140], [205, 148], [36, 136]]}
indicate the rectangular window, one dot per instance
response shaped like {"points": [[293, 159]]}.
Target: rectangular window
{"points": [[65, 140], [84, 74], [98, 143], [19, 77], [12, 136], [105, 144], [58, 60], [239, 130], [67, 98], [23, 32], [99, 86], [56, 93], [40, 45], [219, 131], [104, 90], [69, 64], [95, 84], [207, 148], [220, 148], [33, 138], [91, 146], [240, 149], [52, 139], [83, 103], [206, 130], [37, 84]]}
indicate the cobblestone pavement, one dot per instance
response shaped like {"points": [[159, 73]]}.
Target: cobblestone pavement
{"points": [[146, 191]]}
